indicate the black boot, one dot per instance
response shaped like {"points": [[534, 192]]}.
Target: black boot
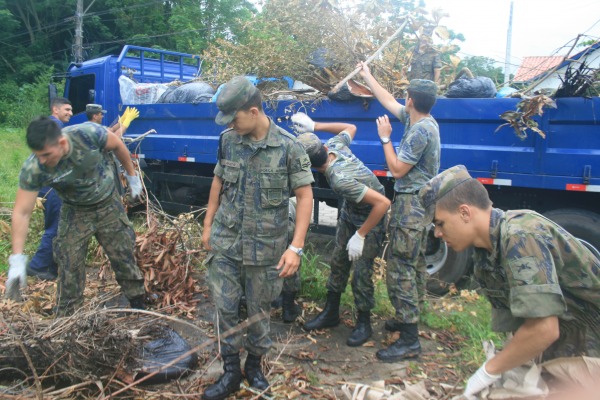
{"points": [[254, 374], [407, 346], [329, 317], [393, 325], [229, 382], [362, 331], [137, 302], [278, 302], [290, 309]]}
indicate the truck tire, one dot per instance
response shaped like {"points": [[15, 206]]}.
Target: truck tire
{"points": [[583, 224], [444, 265]]}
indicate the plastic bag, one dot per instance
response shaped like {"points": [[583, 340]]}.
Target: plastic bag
{"points": [[192, 92], [139, 93], [477, 87]]}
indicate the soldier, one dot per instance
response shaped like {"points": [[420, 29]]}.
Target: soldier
{"points": [[417, 161], [360, 228], [543, 284], [245, 226], [72, 163], [426, 62]]}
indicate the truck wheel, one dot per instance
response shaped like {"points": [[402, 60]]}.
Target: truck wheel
{"points": [[583, 224], [444, 265]]}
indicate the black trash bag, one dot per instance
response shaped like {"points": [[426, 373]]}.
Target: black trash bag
{"points": [[192, 92], [158, 352], [343, 94], [477, 87]]}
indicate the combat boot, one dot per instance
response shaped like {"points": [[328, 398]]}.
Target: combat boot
{"points": [[254, 374], [329, 317], [229, 382], [289, 308], [393, 325], [407, 346], [362, 331], [137, 302]]}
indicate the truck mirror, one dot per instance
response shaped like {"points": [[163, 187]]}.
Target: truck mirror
{"points": [[51, 93], [91, 96]]}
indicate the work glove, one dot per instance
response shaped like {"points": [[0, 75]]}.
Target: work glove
{"points": [[135, 185], [355, 246], [17, 276], [129, 115], [303, 123], [479, 381]]}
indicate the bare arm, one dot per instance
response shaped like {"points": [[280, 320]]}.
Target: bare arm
{"points": [[380, 205], [530, 340], [211, 210], [397, 168], [385, 98], [114, 144], [290, 261], [24, 203], [336, 128]]}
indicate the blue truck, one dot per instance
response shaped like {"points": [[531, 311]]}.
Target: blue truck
{"points": [[558, 176]]}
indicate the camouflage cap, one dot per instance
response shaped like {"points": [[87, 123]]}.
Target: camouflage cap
{"points": [[233, 96], [439, 186], [94, 108], [423, 86]]}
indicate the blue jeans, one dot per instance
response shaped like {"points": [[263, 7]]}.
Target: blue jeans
{"points": [[43, 260]]}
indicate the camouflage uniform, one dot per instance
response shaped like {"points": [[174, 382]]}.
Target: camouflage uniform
{"points": [[85, 183], [249, 232], [292, 283], [537, 269], [423, 65], [406, 267], [350, 179]]}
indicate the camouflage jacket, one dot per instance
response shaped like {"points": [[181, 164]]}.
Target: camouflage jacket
{"points": [[422, 65], [251, 222], [349, 177], [83, 177], [535, 269]]}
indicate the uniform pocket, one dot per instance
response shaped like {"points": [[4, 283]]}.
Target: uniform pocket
{"points": [[273, 188]]}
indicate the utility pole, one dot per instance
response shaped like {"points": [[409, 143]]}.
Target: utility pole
{"points": [[508, 43], [78, 44]]}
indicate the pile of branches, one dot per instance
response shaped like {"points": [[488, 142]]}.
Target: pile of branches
{"points": [[579, 80]]}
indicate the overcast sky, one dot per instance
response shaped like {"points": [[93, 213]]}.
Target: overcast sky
{"points": [[540, 27]]}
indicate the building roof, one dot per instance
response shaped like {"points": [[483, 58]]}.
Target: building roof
{"points": [[535, 66]]}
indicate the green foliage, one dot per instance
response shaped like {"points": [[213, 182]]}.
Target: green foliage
{"points": [[313, 274]]}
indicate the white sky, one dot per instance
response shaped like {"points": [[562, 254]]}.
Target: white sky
{"points": [[540, 27]]}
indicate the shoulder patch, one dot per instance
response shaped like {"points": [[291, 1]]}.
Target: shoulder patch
{"points": [[304, 162]]}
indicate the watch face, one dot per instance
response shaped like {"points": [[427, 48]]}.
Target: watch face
{"points": [[385, 140]]}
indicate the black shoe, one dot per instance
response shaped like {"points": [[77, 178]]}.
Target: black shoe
{"points": [[45, 274], [278, 302], [329, 317], [229, 382], [137, 302], [407, 346], [254, 374], [393, 325], [362, 331], [290, 310]]}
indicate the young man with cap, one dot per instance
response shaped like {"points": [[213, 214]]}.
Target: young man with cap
{"points": [[258, 166], [42, 264], [417, 161], [95, 113], [72, 162], [543, 283], [360, 228]]}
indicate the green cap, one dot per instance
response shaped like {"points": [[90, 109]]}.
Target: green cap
{"points": [[423, 86], [439, 186], [233, 96]]}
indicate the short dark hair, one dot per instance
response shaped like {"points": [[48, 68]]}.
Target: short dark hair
{"points": [[90, 115], [59, 101], [318, 158], [254, 101], [422, 102], [471, 192], [41, 132]]}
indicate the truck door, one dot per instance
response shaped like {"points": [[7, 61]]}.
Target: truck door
{"points": [[81, 90]]}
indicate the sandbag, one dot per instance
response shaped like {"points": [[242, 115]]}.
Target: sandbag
{"points": [[477, 87]]}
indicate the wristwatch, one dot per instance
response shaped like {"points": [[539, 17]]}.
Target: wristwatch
{"points": [[385, 139], [296, 250]]}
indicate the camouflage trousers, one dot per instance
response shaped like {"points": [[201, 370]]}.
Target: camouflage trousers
{"points": [[292, 283], [108, 222], [229, 280], [362, 282], [406, 272]]}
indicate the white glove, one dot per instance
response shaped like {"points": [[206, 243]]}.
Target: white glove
{"points": [[135, 185], [479, 381], [17, 276], [303, 123], [355, 246]]}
